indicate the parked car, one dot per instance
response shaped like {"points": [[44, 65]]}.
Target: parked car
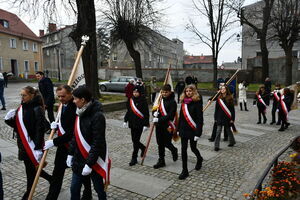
{"points": [[116, 83]]}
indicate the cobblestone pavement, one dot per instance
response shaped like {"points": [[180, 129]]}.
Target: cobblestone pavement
{"points": [[226, 174]]}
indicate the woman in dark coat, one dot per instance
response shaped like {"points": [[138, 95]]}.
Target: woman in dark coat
{"points": [[28, 122], [190, 126], [284, 107], [261, 99], [137, 116]]}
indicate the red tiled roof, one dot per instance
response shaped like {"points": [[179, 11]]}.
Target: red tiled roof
{"points": [[197, 59], [16, 27]]}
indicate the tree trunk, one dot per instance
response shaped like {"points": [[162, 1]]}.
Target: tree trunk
{"points": [[86, 25], [288, 67], [265, 57], [215, 71], [136, 56]]}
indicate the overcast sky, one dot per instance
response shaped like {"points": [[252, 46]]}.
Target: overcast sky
{"points": [[177, 13]]}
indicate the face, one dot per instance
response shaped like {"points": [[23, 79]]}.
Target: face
{"points": [[262, 89], [38, 77], [189, 92], [63, 96], [223, 90], [135, 93], [165, 94], [25, 96], [80, 102]]}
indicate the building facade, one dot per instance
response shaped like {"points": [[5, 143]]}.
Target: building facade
{"points": [[20, 48], [198, 62]]}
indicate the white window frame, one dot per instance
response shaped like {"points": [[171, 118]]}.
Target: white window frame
{"points": [[1, 63], [25, 45], [36, 66], [150, 56], [26, 70], [114, 57], [47, 52], [5, 24], [48, 39], [34, 47], [13, 43]]}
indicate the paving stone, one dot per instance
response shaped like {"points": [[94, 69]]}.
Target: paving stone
{"points": [[259, 126]]}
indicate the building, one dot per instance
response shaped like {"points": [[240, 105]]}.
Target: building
{"points": [[20, 47], [198, 62], [162, 53]]}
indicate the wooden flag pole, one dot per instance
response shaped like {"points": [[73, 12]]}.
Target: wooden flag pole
{"points": [[41, 165], [153, 125], [229, 81]]}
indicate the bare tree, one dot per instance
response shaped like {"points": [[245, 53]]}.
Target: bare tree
{"points": [[130, 22], [86, 25], [286, 25], [220, 20]]}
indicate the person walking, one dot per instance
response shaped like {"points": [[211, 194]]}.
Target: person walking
{"points": [[224, 116], [137, 118], [5, 76], [261, 99], [2, 84], [268, 86], [46, 89], [88, 149], [164, 121], [276, 101], [28, 122], [190, 126], [65, 130], [153, 88], [286, 100], [179, 88], [243, 87]]}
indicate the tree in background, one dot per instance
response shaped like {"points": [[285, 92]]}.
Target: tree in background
{"points": [[103, 45]]}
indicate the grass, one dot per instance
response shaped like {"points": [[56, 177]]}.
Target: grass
{"points": [[106, 98]]}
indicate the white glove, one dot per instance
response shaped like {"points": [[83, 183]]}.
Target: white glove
{"points": [[86, 170], [155, 114], [10, 114], [196, 138], [145, 128], [48, 144], [155, 119], [39, 155], [69, 161], [125, 125], [54, 125], [277, 110]]}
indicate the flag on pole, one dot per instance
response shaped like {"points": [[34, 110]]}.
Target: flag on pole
{"points": [[78, 79]]}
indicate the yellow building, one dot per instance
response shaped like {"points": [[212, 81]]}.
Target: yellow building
{"points": [[20, 48]]}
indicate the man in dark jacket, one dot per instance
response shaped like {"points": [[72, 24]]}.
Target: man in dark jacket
{"points": [[46, 89], [179, 88], [163, 136], [65, 128]]}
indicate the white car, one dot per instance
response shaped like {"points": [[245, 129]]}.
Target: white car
{"points": [[116, 84]]}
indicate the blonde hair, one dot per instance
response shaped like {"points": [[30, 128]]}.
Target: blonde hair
{"points": [[196, 96]]}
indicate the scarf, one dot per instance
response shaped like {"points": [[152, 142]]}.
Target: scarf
{"points": [[187, 100], [80, 111]]}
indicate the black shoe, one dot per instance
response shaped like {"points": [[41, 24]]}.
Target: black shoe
{"points": [[3, 108], [199, 164], [286, 125], [231, 145], [246, 109], [272, 123], [143, 150], [225, 139], [278, 123], [259, 122], [133, 162], [211, 140], [265, 120], [281, 129], [175, 154], [184, 174], [87, 195], [160, 163], [217, 148]]}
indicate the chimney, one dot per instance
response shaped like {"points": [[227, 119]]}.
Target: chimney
{"points": [[42, 33], [51, 27]]}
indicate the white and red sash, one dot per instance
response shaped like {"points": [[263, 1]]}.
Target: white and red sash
{"points": [[102, 167], [188, 117], [262, 101], [172, 123], [224, 108], [60, 130], [135, 110], [284, 108], [26, 141], [276, 96]]}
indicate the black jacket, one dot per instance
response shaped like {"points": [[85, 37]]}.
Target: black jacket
{"points": [[265, 96], [220, 116], [180, 87], [171, 108], [275, 102], [92, 126], [288, 100], [67, 121], [33, 117], [46, 89], [195, 110], [133, 120]]}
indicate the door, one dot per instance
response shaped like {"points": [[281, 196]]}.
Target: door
{"points": [[14, 67]]}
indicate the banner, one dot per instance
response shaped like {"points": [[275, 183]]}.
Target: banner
{"points": [[78, 78]]}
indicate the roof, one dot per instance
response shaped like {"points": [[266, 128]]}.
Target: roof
{"points": [[58, 30], [197, 59], [16, 27]]}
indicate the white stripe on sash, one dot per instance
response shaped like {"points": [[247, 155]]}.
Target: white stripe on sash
{"points": [[188, 117], [135, 110], [224, 108]]}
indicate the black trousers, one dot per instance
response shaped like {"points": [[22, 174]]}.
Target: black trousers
{"points": [[274, 108], [153, 95], [58, 175], [135, 137], [164, 140], [184, 156], [214, 132], [282, 118], [50, 113], [261, 113]]}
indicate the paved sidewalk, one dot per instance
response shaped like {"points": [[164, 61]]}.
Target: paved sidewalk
{"points": [[226, 174]]}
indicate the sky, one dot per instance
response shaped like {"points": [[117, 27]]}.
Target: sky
{"points": [[176, 16]]}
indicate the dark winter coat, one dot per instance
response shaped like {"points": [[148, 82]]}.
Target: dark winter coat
{"points": [[180, 87], [220, 116], [46, 89], [288, 100], [133, 120], [33, 118], [265, 97], [195, 110], [275, 102], [92, 126], [171, 108]]}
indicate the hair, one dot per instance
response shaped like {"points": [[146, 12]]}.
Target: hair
{"points": [[40, 73], [82, 92], [195, 97], [166, 87], [259, 89], [35, 93], [228, 98], [66, 87]]}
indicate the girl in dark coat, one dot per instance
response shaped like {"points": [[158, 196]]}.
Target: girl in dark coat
{"points": [[32, 117], [190, 126], [137, 116], [276, 100], [261, 100], [224, 116], [284, 107]]}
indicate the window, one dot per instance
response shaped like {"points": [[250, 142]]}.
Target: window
{"points": [[122, 80], [26, 66], [34, 47], [258, 53], [13, 43], [1, 64], [48, 39], [114, 57], [36, 66], [4, 23], [55, 37], [25, 45], [295, 54], [47, 52], [150, 56]]}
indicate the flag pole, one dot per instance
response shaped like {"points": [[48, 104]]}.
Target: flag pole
{"points": [[41, 164], [153, 125]]}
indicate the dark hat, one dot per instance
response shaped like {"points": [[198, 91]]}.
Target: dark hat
{"points": [[138, 88]]}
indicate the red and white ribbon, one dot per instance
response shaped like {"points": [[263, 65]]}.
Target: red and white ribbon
{"points": [[283, 106], [60, 130], [276, 96], [172, 124], [262, 101], [188, 117], [102, 167], [224, 108], [135, 110], [26, 140]]}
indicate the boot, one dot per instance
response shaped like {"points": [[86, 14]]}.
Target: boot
{"points": [[245, 105], [3, 108], [286, 125], [184, 174], [273, 122], [133, 162], [281, 128], [86, 195], [241, 106], [160, 163], [259, 122], [199, 164], [265, 120], [278, 123], [175, 154]]}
